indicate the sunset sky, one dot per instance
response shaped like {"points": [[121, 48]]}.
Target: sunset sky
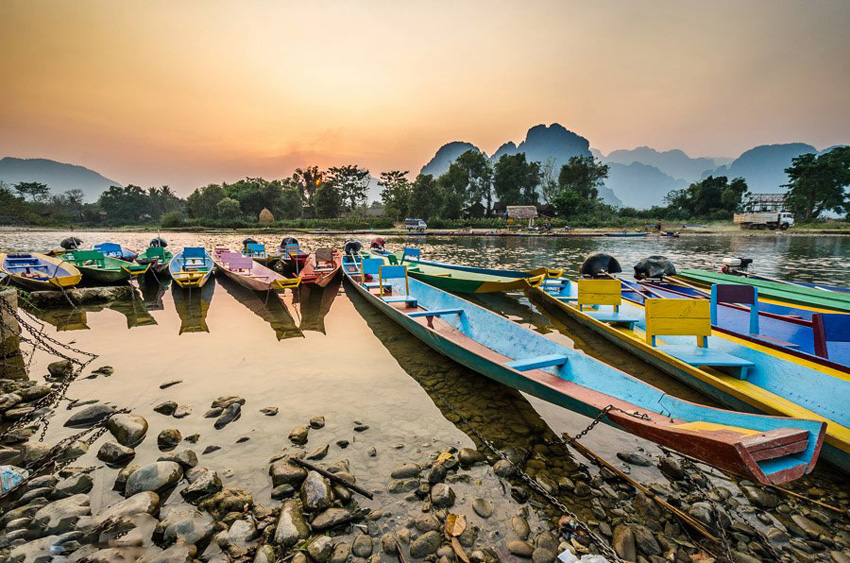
{"points": [[191, 92]]}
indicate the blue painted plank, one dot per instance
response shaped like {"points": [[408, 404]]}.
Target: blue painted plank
{"points": [[538, 362], [436, 313]]}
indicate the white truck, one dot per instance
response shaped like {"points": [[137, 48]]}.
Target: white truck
{"points": [[765, 220]]}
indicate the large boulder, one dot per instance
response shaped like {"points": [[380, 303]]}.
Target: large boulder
{"points": [[89, 416], [316, 493], [128, 429], [291, 527]]}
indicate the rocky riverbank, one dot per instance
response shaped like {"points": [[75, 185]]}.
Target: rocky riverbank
{"points": [[453, 504]]}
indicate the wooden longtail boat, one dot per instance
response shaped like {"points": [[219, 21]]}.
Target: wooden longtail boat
{"points": [[737, 310], [787, 293], [39, 271], [250, 274], [191, 267], [463, 279], [763, 448], [98, 268], [158, 257], [257, 252], [323, 268], [114, 250], [737, 373], [292, 258]]}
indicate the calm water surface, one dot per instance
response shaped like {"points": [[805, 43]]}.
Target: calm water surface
{"points": [[313, 352]]}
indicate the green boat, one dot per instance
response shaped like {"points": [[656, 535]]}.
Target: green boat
{"points": [[461, 279], [787, 293], [98, 268], [158, 257]]}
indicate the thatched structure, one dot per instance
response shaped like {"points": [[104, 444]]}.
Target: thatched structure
{"points": [[266, 216]]}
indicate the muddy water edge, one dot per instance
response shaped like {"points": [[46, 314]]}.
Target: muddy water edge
{"points": [[225, 388]]}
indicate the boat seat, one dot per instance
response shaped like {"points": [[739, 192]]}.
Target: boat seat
{"points": [[411, 301], [830, 329], [436, 313], [538, 362], [616, 317], [699, 356], [373, 285]]}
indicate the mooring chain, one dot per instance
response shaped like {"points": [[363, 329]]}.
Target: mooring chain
{"points": [[603, 545], [52, 456]]}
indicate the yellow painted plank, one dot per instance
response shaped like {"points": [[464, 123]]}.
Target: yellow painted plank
{"points": [[599, 292], [684, 327], [701, 425], [678, 308]]}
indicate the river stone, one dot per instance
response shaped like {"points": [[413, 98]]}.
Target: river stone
{"points": [[426, 522], [406, 471], [113, 453], [482, 507], [542, 555], [214, 413], [291, 527], [89, 416], [154, 477], [265, 554], [520, 527], [362, 546], [812, 529], [128, 429], [34, 393], [60, 369], [298, 435], [41, 550], [169, 438], [646, 506], [8, 456], [634, 458], [283, 472], [388, 544], [315, 493], [469, 457], [241, 532], [671, 467], [124, 474], [645, 541], [178, 553], [146, 502], [442, 496], [9, 400], [208, 483], [320, 549], [623, 542], [188, 526], [62, 515], [231, 413], [182, 411], [425, 545], [317, 422], [78, 483], [504, 469], [225, 401], [520, 548], [760, 497], [229, 499], [166, 407], [330, 518], [187, 459], [319, 453]]}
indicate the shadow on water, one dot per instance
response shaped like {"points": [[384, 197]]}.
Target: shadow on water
{"points": [[192, 306], [315, 303], [499, 413], [268, 306], [135, 311]]}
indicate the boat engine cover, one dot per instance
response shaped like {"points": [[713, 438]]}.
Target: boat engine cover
{"points": [[288, 240], [654, 267], [159, 241], [71, 243], [598, 264]]}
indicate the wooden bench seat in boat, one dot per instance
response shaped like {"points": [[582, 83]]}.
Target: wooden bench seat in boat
{"points": [[396, 272], [538, 362], [594, 293], [436, 313], [372, 267], [735, 294], [689, 317], [831, 331]]}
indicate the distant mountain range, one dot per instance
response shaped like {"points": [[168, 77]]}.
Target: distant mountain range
{"points": [[641, 177], [59, 176]]}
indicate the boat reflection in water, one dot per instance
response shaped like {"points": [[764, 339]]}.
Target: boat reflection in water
{"points": [[315, 303], [76, 318], [268, 306], [192, 306], [153, 291], [502, 415]]}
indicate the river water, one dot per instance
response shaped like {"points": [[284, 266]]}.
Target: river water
{"points": [[327, 353]]}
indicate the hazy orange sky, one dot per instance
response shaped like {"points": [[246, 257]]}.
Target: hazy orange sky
{"points": [[190, 92]]}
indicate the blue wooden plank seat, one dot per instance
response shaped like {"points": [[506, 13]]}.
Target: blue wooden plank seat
{"points": [[257, 250], [538, 362], [689, 317], [593, 293], [743, 295], [372, 267], [194, 258], [436, 313], [410, 252], [396, 272]]}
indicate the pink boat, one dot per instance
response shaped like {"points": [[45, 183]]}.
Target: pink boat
{"points": [[248, 273]]}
